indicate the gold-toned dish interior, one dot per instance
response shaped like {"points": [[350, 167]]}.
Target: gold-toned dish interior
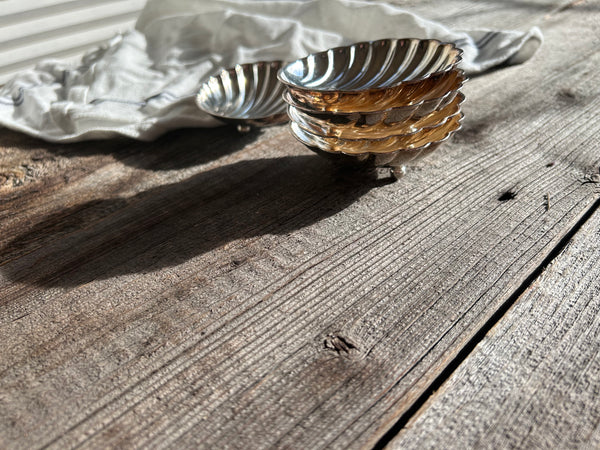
{"points": [[394, 143], [377, 100], [325, 124], [389, 115]]}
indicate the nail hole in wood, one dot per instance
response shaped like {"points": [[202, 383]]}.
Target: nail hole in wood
{"points": [[506, 196]]}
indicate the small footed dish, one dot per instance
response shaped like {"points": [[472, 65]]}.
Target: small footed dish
{"points": [[247, 94]]}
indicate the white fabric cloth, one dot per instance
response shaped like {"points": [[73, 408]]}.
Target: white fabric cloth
{"points": [[143, 83]]}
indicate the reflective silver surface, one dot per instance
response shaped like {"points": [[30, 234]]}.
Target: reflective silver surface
{"points": [[248, 94], [370, 65]]}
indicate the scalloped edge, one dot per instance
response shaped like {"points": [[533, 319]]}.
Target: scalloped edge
{"points": [[285, 80]]}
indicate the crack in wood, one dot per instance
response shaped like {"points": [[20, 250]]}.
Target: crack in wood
{"points": [[571, 4], [547, 202], [464, 352]]}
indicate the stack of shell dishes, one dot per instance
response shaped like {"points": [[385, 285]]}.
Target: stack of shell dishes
{"points": [[380, 104]]}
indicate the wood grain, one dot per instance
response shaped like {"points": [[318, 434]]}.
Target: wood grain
{"points": [[211, 290], [534, 381]]}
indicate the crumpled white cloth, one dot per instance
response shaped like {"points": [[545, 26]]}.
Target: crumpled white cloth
{"points": [[143, 83]]}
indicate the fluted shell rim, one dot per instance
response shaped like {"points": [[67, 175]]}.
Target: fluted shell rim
{"points": [[283, 78]]}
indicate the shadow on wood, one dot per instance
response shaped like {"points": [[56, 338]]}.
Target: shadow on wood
{"points": [[167, 225], [174, 150]]}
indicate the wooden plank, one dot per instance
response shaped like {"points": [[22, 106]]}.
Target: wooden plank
{"points": [[215, 291], [534, 381], [494, 14]]}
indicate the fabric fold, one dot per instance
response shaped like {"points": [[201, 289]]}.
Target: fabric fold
{"points": [[142, 83]]}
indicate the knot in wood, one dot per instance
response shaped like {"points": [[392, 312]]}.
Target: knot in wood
{"points": [[12, 177], [340, 344]]}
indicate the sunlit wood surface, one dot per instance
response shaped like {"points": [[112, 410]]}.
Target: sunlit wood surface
{"points": [[217, 290]]}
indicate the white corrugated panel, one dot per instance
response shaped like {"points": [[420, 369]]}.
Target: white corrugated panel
{"points": [[31, 30]]}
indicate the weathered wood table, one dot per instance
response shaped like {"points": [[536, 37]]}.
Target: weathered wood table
{"points": [[216, 290]]}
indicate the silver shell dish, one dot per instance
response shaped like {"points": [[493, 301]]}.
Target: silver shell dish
{"points": [[248, 94], [370, 65]]}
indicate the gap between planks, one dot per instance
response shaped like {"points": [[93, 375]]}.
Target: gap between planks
{"points": [[462, 355]]}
